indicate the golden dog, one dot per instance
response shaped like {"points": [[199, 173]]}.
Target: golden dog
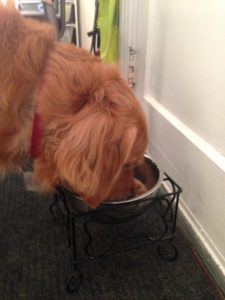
{"points": [[93, 130]]}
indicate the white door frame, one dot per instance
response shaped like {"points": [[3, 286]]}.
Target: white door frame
{"points": [[128, 30]]}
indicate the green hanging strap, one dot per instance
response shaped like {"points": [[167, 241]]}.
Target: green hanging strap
{"points": [[108, 24]]}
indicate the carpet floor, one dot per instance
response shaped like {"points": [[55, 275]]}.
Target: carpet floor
{"points": [[35, 262]]}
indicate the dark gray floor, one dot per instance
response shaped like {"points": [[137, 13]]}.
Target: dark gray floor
{"points": [[34, 260]]}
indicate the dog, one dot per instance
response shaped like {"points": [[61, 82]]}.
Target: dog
{"points": [[92, 129]]}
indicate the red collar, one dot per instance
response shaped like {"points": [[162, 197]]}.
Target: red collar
{"points": [[35, 149], [36, 137]]}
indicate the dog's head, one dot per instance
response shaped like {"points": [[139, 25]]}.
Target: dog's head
{"points": [[102, 134]]}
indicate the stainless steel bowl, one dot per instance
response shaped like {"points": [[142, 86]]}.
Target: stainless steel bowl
{"points": [[149, 174], [151, 169]]}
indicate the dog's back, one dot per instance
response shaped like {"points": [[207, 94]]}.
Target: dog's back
{"points": [[24, 49]]}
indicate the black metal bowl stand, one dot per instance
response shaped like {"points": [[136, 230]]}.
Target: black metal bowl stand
{"points": [[161, 209]]}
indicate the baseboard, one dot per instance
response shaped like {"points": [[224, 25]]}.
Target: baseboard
{"points": [[200, 170], [202, 244]]}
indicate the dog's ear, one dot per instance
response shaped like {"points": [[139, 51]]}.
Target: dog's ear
{"points": [[92, 153]]}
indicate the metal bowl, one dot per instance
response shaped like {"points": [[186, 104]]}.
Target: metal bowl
{"points": [[150, 175], [115, 211]]}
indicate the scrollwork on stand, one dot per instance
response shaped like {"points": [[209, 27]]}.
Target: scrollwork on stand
{"points": [[108, 230]]}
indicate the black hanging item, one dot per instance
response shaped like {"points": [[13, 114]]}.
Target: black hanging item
{"points": [[95, 33]]}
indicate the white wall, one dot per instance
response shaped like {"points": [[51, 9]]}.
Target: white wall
{"points": [[188, 64], [184, 96], [185, 89], [87, 12]]}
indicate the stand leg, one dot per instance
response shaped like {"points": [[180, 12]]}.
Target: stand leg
{"points": [[73, 283], [54, 208], [167, 251], [75, 279]]}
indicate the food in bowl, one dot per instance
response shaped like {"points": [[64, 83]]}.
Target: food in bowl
{"points": [[148, 179], [146, 175]]}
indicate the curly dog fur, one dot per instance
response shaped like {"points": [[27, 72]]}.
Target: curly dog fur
{"points": [[94, 130]]}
